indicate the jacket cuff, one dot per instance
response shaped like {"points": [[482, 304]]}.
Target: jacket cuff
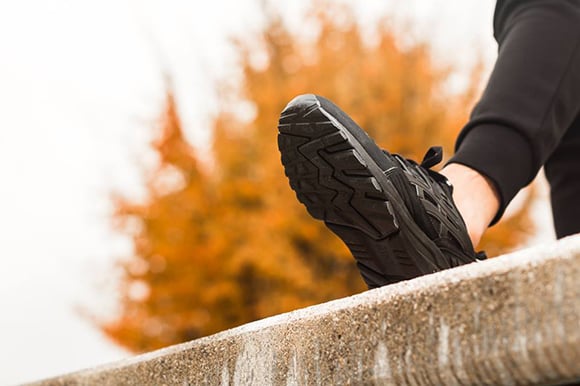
{"points": [[502, 155]]}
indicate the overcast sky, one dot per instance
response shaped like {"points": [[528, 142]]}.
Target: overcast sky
{"points": [[80, 87]]}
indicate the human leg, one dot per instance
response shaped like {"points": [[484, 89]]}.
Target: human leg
{"points": [[478, 204], [563, 173], [397, 217]]}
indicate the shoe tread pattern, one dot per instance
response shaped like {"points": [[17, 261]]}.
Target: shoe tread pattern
{"points": [[334, 183], [330, 178]]}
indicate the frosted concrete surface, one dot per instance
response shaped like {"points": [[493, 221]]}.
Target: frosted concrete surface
{"points": [[507, 321]]}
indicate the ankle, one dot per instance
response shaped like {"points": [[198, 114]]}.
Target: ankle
{"points": [[475, 197]]}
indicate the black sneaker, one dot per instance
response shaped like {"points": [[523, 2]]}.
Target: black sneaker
{"points": [[397, 217]]}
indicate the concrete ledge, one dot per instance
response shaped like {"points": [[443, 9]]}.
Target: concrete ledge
{"points": [[505, 321]]}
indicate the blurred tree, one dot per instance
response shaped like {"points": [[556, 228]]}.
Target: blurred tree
{"points": [[219, 245]]}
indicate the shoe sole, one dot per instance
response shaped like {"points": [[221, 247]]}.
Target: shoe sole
{"points": [[342, 177]]}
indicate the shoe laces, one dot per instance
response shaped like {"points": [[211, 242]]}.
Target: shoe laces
{"points": [[432, 157]]}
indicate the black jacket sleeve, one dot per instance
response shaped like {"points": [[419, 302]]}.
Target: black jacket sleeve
{"points": [[532, 96]]}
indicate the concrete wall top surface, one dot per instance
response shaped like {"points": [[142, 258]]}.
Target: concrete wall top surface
{"points": [[510, 320]]}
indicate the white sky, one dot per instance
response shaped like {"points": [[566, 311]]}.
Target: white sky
{"points": [[80, 87]]}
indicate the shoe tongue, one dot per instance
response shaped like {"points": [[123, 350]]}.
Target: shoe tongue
{"points": [[433, 156]]}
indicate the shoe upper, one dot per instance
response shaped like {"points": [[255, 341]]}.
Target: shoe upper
{"points": [[428, 197]]}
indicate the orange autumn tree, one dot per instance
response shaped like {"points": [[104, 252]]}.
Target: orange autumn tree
{"points": [[220, 245]]}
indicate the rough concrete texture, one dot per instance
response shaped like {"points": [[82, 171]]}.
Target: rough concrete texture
{"points": [[507, 321]]}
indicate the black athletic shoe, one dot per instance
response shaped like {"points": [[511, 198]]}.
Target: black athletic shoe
{"points": [[397, 217]]}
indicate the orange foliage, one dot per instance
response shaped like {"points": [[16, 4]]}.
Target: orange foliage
{"points": [[220, 246]]}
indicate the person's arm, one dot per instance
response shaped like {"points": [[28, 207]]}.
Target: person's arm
{"points": [[532, 96]]}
